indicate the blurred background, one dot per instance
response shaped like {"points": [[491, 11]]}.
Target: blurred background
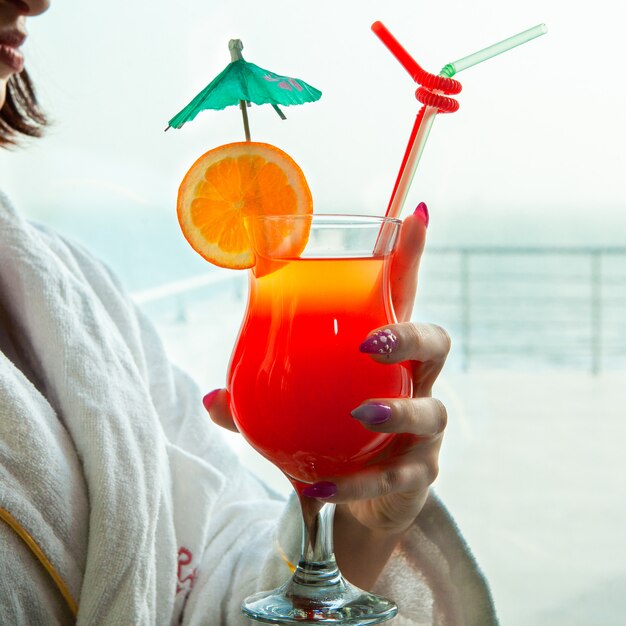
{"points": [[526, 259]]}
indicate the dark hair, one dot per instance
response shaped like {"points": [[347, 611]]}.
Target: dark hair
{"points": [[21, 113]]}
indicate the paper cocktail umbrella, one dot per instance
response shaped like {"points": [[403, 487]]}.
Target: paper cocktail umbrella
{"points": [[242, 82]]}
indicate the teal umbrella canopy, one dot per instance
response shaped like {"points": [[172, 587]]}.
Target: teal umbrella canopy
{"points": [[242, 82]]}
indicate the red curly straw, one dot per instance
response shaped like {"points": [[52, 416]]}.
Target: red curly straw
{"points": [[429, 93]]}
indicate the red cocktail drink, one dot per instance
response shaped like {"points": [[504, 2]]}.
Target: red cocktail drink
{"points": [[297, 372], [320, 285]]}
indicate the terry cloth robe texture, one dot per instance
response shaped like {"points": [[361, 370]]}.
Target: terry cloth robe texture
{"points": [[120, 503]]}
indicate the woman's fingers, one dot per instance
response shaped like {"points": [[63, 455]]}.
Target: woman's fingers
{"points": [[407, 342], [409, 474], [406, 260], [423, 417], [427, 345], [217, 404], [411, 466]]}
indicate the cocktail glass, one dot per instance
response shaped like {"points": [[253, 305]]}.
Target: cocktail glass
{"points": [[295, 375]]}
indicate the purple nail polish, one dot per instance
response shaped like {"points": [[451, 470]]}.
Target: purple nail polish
{"points": [[321, 491], [422, 212], [381, 342], [372, 413]]}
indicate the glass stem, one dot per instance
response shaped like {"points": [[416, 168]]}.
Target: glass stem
{"points": [[317, 593], [317, 566]]}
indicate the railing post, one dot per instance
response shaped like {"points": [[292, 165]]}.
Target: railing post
{"points": [[466, 321], [596, 311]]}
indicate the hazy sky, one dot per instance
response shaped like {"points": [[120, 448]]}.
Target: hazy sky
{"points": [[541, 127]]}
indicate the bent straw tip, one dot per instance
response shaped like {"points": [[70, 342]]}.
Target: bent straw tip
{"points": [[378, 27]]}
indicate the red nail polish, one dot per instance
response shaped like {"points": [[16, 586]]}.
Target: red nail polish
{"points": [[422, 212], [209, 398]]}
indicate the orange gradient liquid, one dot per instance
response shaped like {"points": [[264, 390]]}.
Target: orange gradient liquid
{"points": [[296, 372]]}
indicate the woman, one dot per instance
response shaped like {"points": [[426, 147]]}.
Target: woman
{"points": [[119, 501]]}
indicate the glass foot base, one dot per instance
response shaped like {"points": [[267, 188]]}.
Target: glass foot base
{"points": [[350, 606]]}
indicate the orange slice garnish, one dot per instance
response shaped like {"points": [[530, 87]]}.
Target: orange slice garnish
{"points": [[232, 183]]}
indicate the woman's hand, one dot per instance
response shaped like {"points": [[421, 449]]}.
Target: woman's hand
{"points": [[388, 496], [377, 505]]}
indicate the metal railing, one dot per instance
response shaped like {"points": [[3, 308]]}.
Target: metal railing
{"points": [[504, 307], [548, 305]]}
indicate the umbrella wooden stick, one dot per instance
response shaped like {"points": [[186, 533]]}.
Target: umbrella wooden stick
{"points": [[235, 46], [244, 113]]}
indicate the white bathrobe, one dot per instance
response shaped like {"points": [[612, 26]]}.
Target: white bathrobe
{"points": [[119, 501]]}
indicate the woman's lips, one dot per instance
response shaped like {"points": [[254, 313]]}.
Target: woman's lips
{"points": [[11, 57]]}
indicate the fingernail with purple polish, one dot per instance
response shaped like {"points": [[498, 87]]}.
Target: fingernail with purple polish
{"points": [[380, 342], [321, 491], [372, 413], [422, 212]]}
